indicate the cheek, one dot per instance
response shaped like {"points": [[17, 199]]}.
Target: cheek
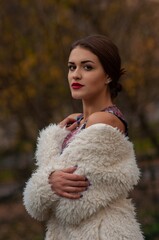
{"points": [[98, 81]]}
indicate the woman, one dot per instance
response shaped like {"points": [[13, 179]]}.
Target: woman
{"points": [[86, 164]]}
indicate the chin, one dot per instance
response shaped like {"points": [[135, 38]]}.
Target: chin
{"points": [[76, 96]]}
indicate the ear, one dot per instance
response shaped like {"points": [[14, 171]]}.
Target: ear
{"points": [[108, 80]]}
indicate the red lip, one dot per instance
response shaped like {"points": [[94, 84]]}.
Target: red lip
{"points": [[76, 85]]}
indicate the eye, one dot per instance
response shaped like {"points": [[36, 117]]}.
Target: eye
{"points": [[88, 67], [71, 67]]}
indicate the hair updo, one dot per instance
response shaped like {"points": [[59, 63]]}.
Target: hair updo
{"points": [[108, 55]]}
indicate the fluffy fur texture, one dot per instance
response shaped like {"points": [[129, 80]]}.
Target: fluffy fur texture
{"points": [[106, 157]]}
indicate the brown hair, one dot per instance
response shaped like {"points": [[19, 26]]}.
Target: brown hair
{"points": [[108, 55]]}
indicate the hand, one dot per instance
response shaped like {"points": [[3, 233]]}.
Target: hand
{"points": [[69, 122], [67, 184]]}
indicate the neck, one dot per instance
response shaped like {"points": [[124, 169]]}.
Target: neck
{"points": [[92, 106]]}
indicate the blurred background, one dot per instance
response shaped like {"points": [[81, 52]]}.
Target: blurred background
{"points": [[35, 37]]}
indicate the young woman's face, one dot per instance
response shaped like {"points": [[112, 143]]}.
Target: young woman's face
{"points": [[86, 75]]}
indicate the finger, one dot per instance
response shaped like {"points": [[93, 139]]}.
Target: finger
{"points": [[72, 126], [77, 183], [69, 170], [63, 176], [75, 189], [67, 174], [67, 120], [74, 177], [70, 196], [68, 124]]}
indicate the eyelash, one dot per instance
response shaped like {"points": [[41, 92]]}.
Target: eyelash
{"points": [[86, 67], [71, 67]]}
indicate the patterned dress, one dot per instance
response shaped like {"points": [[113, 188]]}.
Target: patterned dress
{"points": [[111, 109]]}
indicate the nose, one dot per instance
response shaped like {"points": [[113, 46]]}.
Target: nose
{"points": [[76, 75]]}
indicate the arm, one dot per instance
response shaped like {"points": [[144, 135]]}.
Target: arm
{"points": [[107, 158], [67, 184], [63, 182], [38, 197]]}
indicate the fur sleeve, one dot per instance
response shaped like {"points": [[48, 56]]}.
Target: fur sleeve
{"points": [[38, 196], [49, 144], [107, 159]]}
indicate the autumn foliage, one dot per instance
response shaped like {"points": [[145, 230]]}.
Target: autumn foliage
{"points": [[34, 45]]}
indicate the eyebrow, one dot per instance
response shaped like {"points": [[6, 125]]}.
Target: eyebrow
{"points": [[83, 62]]}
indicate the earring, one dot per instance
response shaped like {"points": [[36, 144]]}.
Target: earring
{"points": [[108, 80]]}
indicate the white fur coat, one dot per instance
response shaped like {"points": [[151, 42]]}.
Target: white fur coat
{"points": [[106, 157]]}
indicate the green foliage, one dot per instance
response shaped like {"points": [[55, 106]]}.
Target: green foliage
{"points": [[143, 146], [152, 231], [6, 176], [151, 227]]}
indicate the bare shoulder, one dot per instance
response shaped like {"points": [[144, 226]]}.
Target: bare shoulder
{"points": [[106, 118]]}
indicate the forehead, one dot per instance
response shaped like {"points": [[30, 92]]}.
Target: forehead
{"points": [[79, 54]]}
